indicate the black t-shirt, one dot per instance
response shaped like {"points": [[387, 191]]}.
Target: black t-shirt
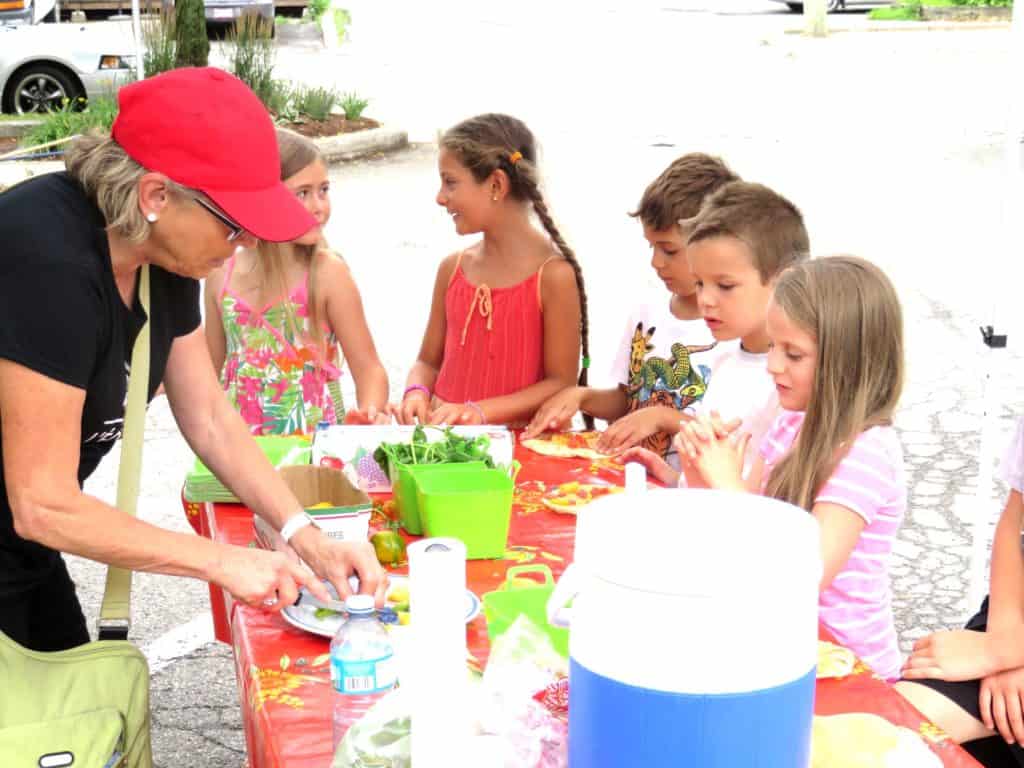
{"points": [[61, 315]]}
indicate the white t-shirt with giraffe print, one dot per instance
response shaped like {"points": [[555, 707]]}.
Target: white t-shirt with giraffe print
{"points": [[662, 360]]}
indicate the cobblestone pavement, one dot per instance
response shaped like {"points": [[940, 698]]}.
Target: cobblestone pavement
{"points": [[889, 142]]}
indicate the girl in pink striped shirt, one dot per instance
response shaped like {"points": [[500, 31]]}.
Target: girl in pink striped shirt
{"points": [[836, 355]]}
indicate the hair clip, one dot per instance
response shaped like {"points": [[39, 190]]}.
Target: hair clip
{"points": [[586, 362], [515, 157]]}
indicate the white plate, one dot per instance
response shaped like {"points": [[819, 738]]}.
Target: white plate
{"points": [[303, 615]]}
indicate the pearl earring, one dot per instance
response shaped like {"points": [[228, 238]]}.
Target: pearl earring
{"points": [[151, 218]]}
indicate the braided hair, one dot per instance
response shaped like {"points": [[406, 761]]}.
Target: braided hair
{"points": [[490, 142]]}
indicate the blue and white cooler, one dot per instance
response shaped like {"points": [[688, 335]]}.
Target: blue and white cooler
{"points": [[692, 631]]}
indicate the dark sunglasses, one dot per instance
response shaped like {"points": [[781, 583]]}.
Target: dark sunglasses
{"points": [[235, 230]]}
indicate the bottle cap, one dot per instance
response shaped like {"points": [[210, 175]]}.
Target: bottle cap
{"points": [[359, 604]]}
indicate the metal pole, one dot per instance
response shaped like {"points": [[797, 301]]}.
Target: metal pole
{"points": [[814, 18], [994, 335], [137, 34]]}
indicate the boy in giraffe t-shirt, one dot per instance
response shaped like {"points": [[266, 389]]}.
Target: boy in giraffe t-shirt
{"points": [[665, 359]]}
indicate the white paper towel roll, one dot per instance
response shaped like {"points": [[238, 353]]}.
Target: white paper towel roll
{"points": [[436, 675]]}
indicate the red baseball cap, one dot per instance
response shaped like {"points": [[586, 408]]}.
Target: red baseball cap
{"points": [[203, 128]]}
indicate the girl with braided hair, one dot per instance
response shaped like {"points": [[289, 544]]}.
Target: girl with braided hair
{"points": [[509, 313]]}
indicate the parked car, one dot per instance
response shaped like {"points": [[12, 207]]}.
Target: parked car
{"points": [[41, 65], [836, 5]]}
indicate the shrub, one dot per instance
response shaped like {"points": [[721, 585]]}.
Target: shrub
{"points": [[71, 119], [318, 8], [193, 47], [316, 103], [281, 101], [159, 43], [353, 105], [252, 56]]}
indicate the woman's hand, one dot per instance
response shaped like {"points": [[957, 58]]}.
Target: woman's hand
{"points": [[262, 579], [1000, 704], [656, 466], [413, 409], [718, 459], [634, 428], [959, 654], [336, 560], [453, 414], [556, 413]]}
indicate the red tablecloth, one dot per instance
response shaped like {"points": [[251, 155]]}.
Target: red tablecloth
{"points": [[283, 673]]}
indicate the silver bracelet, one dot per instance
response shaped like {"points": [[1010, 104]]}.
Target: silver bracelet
{"points": [[294, 524]]}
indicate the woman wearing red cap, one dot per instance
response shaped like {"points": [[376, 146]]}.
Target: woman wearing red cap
{"points": [[189, 173]]}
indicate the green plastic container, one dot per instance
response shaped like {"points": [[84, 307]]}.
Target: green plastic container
{"points": [[510, 600], [473, 505], [403, 485]]}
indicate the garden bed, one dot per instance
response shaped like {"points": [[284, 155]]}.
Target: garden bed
{"points": [[334, 125]]}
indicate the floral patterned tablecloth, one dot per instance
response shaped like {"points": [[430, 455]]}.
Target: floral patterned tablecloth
{"points": [[283, 673]]}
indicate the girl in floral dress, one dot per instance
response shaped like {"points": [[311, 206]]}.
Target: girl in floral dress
{"points": [[275, 316]]}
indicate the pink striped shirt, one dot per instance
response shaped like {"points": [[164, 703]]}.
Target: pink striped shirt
{"points": [[857, 606]]}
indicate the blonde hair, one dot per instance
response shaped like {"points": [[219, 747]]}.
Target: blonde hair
{"points": [[110, 178], [769, 224], [296, 152], [851, 309]]}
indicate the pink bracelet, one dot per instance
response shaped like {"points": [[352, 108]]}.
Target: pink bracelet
{"points": [[415, 388], [476, 407]]}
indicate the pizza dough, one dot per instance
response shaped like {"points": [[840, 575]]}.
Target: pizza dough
{"points": [[834, 660], [582, 445], [568, 498], [861, 740]]}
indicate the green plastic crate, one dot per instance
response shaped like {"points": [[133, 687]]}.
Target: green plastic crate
{"points": [[473, 505], [403, 485]]}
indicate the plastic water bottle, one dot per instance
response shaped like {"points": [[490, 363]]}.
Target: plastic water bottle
{"points": [[362, 662]]}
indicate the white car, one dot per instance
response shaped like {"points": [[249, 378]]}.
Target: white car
{"points": [[836, 5], [41, 65]]}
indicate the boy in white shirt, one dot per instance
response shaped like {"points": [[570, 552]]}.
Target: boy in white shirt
{"points": [[743, 238], [663, 364]]}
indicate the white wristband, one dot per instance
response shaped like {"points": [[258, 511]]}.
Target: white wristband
{"points": [[294, 524]]}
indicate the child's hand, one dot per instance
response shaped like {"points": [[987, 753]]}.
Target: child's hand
{"points": [[413, 409], [719, 460], [454, 414], [370, 416], [656, 466], [634, 428], [1000, 704], [556, 413], [959, 654]]}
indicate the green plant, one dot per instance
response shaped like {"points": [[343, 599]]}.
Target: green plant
{"points": [[342, 18], [252, 56], [193, 47], [281, 101], [72, 119], [316, 103], [318, 8], [353, 105], [159, 43]]}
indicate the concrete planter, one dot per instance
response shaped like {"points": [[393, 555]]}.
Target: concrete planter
{"points": [[15, 129], [302, 32], [349, 146], [965, 13]]}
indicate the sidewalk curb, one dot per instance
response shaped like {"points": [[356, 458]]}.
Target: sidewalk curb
{"points": [[914, 26], [351, 146]]}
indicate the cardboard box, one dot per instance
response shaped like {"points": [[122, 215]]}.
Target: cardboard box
{"points": [[348, 515]]}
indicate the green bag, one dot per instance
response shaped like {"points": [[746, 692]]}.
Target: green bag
{"points": [[87, 707]]}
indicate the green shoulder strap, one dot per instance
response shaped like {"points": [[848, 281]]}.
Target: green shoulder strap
{"points": [[115, 612]]}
